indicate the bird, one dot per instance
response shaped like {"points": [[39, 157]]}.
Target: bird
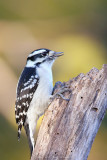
{"points": [[33, 92]]}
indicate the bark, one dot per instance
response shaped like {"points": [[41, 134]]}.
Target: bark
{"points": [[68, 129]]}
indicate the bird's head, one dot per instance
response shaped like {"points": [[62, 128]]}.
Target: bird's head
{"points": [[42, 56]]}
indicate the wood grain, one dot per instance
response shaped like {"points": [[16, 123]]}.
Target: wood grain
{"points": [[69, 128]]}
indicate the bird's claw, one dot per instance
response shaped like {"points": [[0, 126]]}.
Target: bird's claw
{"points": [[63, 89]]}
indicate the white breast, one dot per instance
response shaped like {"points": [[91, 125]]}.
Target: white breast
{"points": [[44, 90]]}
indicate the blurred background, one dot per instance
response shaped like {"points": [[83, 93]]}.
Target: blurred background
{"points": [[78, 28]]}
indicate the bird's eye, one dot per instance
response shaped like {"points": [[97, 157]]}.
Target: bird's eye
{"points": [[43, 54]]}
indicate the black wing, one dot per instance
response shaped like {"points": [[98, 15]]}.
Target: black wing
{"points": [[27, 85]]}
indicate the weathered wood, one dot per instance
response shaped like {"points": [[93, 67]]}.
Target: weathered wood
{"points": [[69, 128]]}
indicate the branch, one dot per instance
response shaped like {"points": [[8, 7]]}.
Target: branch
{"points": [[69, 128]]}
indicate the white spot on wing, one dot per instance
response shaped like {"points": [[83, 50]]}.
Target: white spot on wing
{"points": [[18, 106], [23, 103], [20, 114], [19, 131], [21, 122], [31, 86], [17, 116], [24, 113]]}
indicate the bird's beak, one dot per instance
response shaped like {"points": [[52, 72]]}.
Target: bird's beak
{"points": [[58, 54], [53, 54]]}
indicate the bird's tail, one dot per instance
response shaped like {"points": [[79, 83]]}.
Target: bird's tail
{"points": [[19, 131], [30, 138]]}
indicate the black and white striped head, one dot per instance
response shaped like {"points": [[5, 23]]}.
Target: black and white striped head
{"points": [[42, 56]]}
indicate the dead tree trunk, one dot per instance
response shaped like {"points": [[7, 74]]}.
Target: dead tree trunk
{"points": [[69, 128]]}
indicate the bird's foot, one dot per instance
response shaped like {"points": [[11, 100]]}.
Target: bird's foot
{"points": [[60, 93]]}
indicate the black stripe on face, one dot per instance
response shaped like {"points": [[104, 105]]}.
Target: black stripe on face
{"points": [[34, 57]]}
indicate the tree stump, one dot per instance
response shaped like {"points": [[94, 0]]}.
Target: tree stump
{"points": [[68, 129]]}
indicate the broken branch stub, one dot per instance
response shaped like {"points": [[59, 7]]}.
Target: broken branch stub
{"points": [[68, 129]]}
